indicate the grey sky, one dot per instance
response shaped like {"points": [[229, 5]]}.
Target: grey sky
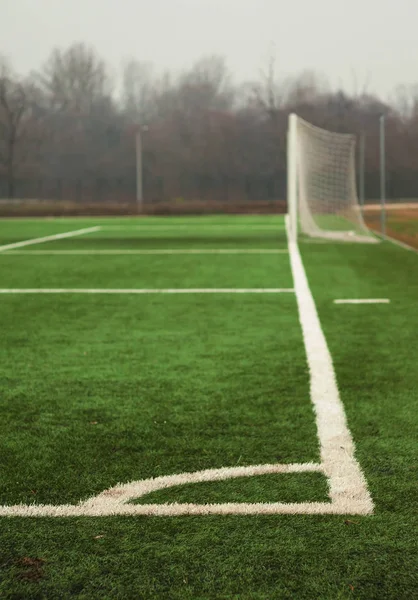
{"points": [[375, 39]]}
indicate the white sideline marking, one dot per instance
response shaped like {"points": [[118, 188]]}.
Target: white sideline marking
{"points": [[152, 251], [347, 485], [176, 509], [209, 226], [50, 238], [364, 301], [149, 291], [348, 488]]}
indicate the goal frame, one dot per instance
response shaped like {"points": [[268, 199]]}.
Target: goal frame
{"points": [[295, 192]]}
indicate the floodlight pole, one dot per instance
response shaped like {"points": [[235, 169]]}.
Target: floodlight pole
{"points": [[139, 170], [361, 170], [383, 174]]}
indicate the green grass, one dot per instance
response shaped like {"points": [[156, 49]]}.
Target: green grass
{"points": [[174, 384], [98, 390], [301, 487], [150, 271]]}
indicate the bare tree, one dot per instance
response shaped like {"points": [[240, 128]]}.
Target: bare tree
{"points": [[268, 94], [84, 122], [19, 126], [405, 100], [75, 79], [138, 91], [207, 85], [306, 89]]}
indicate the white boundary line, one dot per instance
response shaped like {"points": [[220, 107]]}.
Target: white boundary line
{"points": [[151, 251], [148, 291], [49, 238], [348, 488], [199, 227], [363, 301], [347, 485]]}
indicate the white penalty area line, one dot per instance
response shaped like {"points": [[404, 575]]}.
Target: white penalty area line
{"points": [[149, 291], [162, 251], [363, 301], [347, 485], [49, 238]]}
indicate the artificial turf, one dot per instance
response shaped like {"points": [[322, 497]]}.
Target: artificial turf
{"points": [[97, 390]]}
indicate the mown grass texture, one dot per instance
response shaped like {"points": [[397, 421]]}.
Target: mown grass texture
{"points": [[97, 390]]}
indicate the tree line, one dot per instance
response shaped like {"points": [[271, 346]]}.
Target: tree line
{"points": [[67, 130]]}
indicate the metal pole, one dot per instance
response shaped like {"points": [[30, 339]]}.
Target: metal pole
{"points": [[382, 175], [139, 181], [292, 188], [361, 170]]}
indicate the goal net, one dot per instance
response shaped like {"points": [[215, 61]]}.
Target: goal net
{"points": [[322, 193]]}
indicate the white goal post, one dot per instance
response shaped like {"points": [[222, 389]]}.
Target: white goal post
{"points": [[322, 194]]}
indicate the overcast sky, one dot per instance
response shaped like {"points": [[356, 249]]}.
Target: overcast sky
{"points": [[377, 40]]}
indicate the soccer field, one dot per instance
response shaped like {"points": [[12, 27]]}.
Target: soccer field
{"points": [[197, 408]]}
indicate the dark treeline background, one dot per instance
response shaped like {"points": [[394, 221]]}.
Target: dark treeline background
{"points": [[67, 131]]}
